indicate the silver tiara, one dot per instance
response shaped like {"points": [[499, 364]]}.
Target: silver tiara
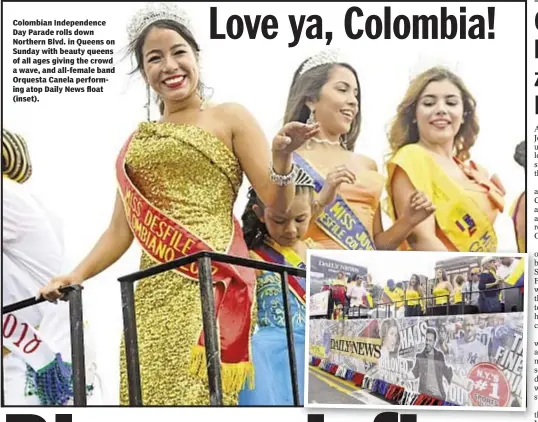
{"points": [[425, 63], [321, 58], [153, 12], [302, 179]]}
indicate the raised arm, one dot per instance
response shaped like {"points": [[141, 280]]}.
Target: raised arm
{"points": [[255, 154], [112, 244]]}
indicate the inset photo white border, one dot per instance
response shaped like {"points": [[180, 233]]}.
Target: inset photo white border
{"points": [[354, 259]]}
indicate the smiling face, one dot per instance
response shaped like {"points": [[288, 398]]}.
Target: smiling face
{"points": [[170, 65], [337, 105], [439, 112]]}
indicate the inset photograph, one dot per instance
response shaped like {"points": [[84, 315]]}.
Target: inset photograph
{"points": [[416, 329]]}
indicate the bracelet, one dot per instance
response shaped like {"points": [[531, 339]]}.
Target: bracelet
{"points": [[283, 180]]}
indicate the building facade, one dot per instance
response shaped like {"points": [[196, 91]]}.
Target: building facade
{"points": [[324, 270], [455, 267]]}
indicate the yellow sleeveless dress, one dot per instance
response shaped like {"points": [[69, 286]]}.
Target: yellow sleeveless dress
{"points": [[441, 295], [420, 168], [413, 297], [192, 176]]}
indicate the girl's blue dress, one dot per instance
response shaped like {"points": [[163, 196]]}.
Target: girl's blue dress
{"points": [[270, 349]]}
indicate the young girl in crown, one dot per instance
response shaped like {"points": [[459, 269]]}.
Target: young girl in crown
{"points": [[277, 237]]}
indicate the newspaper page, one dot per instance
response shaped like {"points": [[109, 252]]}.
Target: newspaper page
{"points": [[315, 208]]}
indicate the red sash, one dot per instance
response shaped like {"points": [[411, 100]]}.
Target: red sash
{"points": [[165, 239]]}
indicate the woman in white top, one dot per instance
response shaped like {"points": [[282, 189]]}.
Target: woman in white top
{"points": [[356, 293]]}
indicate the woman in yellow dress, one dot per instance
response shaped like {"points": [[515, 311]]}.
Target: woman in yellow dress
{"points": [[431, 138], [413, 295], [325, 90], [518, 211], [178, 180], [442, 290]]}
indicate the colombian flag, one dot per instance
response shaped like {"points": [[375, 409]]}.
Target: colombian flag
{"points": [[517, 277], [370, 300], [386, 298], [395, 296]]}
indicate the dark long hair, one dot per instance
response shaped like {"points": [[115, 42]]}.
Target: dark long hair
{"points": [[444, 277], [307, 87], [254, 231], [135, 47], [417, 286]]}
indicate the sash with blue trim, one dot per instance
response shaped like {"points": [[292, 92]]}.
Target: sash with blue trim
{"points": [[338, 220]]}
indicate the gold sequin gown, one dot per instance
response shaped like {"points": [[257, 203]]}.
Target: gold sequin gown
{"points": [[193, 177]]}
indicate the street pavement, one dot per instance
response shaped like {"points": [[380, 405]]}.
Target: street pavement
{"points": [[324, 388]]}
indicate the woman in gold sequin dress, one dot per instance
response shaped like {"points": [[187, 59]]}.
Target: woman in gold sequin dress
{"points": [[179, 177]]}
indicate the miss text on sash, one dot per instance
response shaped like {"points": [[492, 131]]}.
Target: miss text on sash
{"points": [[157, 235], [336, 220]]}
